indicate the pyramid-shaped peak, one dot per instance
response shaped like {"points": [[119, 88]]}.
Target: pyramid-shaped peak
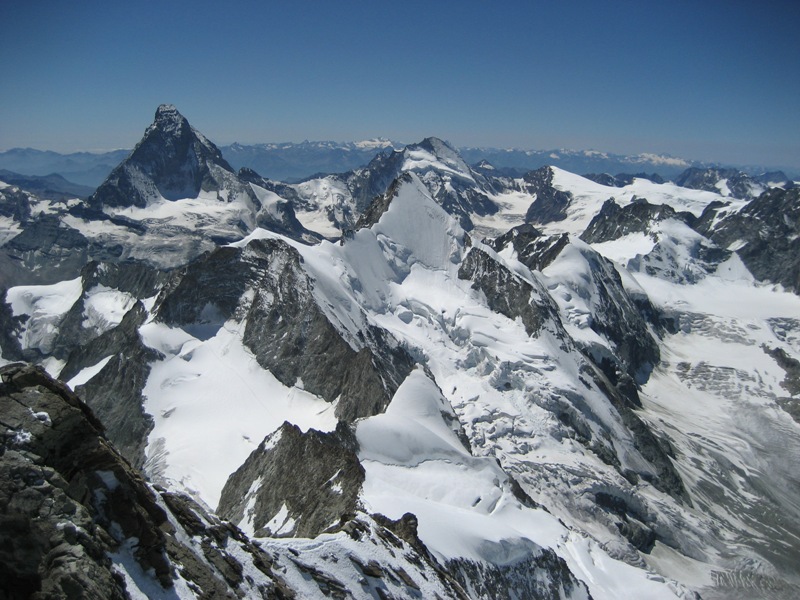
{"points": [[439, 147], [441, 150], [169, 120], [167, 112], [172, 161], [436, 145]]}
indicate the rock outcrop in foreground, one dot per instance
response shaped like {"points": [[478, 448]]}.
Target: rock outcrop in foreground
{"points": [[76, 521]]}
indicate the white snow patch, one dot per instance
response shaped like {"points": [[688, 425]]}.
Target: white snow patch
{"points": [[212, 405], [45, 305], [85, 374], [105, 307], [281, 523]]}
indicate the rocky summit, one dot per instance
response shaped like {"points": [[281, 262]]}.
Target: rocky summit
{"points": [[415, 379]]}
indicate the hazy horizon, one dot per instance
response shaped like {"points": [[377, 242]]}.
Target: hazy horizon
{"points": [[713, 81]]}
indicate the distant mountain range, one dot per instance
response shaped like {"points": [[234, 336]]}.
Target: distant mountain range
{"points": [[294, 162], [84, 168]]}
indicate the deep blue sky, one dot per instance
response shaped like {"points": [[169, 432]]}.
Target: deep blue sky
{"points": [[709, 80]]}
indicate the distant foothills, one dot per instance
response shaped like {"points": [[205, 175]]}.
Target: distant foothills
{"points": [[294, 162]]}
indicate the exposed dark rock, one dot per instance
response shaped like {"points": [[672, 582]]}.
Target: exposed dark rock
{"points": [[213, 544], [47, 251], [81, 352], [205, 294], [69, 503], [619, 319], [506, 292], [766, 235], [728, 181], [406, 529], [10, 326], [456, 188], [613, 221], [622, 179], [789, 364], [632, 525], [58, 468], [380, 204], [136, 279], [115, 395], [115, 392], [551, 204], [534, 249], [14, 203], [284, 190], [791, 382], [668, 259], [711, 213], [296, 484], [172, 160], [778, 177], [605, 179], [538, 575], [292, 337], [667, 479], [286, 330]]}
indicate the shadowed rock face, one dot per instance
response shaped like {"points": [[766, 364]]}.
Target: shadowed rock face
{"points": [[513, 297], [285, 328], [15, 203], [57, 466], [738, 184], [47, 252], [550, 204], [457, 188], [622, 179], [506, 293], [534, 249], [765, 232], [521, 577], [172, 160], [74, 514], [296, 484], [621, 321], [614, 221]]}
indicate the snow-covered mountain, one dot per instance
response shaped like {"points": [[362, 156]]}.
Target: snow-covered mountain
{"points": [[171, 199], [580, 161], [333, 204], [481, 386]]}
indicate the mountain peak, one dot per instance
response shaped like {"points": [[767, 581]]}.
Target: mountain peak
{"points": [[171, 161], [167, 111], [171, 122], [441, 150], [436, 145]]}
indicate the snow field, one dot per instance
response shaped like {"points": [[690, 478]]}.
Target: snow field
{"points": [[212, 405]]}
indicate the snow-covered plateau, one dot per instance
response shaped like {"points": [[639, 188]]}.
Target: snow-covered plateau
{"points": [[418, 379]]}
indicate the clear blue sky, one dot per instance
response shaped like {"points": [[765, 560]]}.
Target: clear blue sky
{"points": [[709, 80]]}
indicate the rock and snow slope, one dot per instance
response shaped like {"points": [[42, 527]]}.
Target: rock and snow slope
{"points": [[173, 198], [599, 401]]}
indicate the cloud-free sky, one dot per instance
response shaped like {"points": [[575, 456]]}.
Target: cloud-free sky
{"points": [[703, 79]]}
